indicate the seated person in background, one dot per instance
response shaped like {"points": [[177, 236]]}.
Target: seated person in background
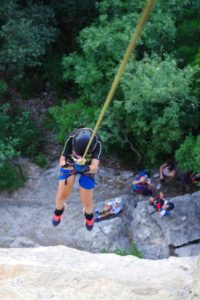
{"points": [[142, 184], [110, 208], [161, 205], [195, 177], [167, 171], [190, 178]]}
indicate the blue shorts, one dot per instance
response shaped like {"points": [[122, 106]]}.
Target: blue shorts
{"points": [[85, 181], [140, 189], [64, 174]]}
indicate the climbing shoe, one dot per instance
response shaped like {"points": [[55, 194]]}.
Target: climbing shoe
{"points": [[89, 224], [57, 216], [56, 220]]}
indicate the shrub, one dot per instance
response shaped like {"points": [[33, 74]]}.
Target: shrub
{"points": [[40, 160], [10, 177], [18, 136], [25, 36], [71, 115], [29, 135], [188, 155], [3, 87], [122, 252]]}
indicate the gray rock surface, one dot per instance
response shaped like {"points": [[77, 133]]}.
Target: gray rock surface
{"points": [[59, 273], [188, 250], [159, 237], [196, 281], [26, 218]]}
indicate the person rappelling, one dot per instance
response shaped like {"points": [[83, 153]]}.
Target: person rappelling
{"points": [[72, 164]]}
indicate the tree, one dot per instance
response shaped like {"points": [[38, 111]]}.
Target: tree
{"points": [[154, 108], [71, 16], [71, 115], [188, 35], [151, 113], [104, 42], [188, 155], [25, 34], [8, 172], [17, 133]]}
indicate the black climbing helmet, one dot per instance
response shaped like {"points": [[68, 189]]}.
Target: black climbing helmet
{"points": [[81, 140], [170, 205]]}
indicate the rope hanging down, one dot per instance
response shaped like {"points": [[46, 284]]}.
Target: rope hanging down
{"points": [[143, 18]]}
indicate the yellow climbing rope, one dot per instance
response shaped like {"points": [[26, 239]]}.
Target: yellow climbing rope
{"points": [[143, 18]]}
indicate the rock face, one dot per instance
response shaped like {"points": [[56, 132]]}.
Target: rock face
{"points": [[59, 273], [196, 281], [158, 237], [26, 218], [26, 215]]}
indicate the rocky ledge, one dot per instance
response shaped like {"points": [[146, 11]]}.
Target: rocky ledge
{"points": [[59, 273]]}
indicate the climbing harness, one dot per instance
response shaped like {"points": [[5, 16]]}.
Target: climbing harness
{"points": [[143, 19]]}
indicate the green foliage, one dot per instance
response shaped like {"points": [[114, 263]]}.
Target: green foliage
{"points": [[53, 73], [28, 86], [122, 252], [7, 149], [7, 143], [25, 35], [18, 136], [188, 155], [103, 43], [71, 115], [152, 111], [196, 61], [71, 16], [154, 107], [30, 140], [10, 178], [32, 33], [40, 160], [196, 64], [188, 34], [157, 104], [3, 87]]}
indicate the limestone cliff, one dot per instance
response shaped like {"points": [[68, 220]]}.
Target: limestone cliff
{"points": [[61, 273], [26, 218]]}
